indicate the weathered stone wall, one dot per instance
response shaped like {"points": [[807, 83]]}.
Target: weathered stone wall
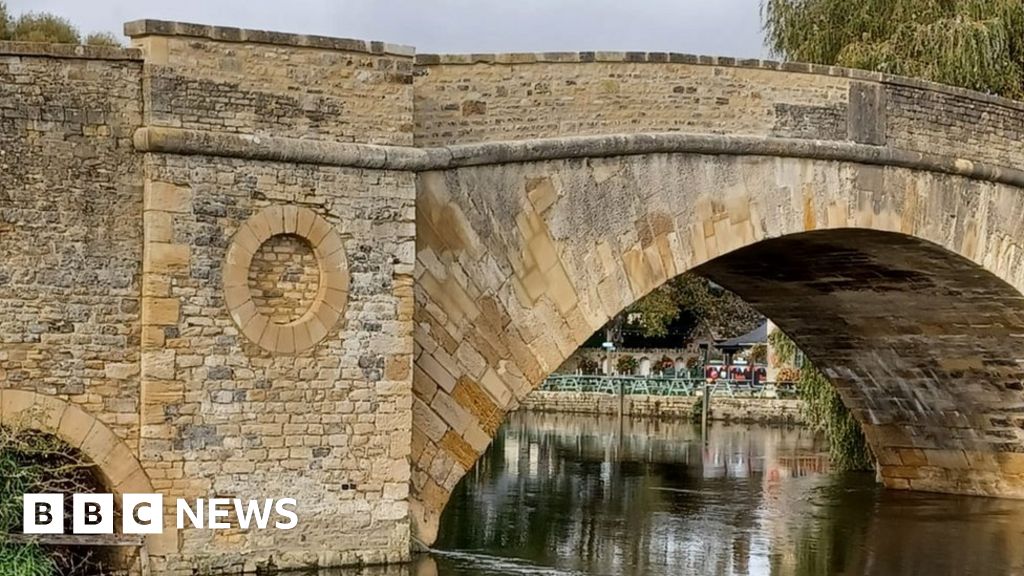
{"points": [[70, 233], [223, 415], [463, 99], [724, 408], [277, 353], [253, 82], [485, 97], [950, 123], [125, 303]]}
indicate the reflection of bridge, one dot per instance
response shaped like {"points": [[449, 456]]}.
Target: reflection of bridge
{"points": [[239, 262]]}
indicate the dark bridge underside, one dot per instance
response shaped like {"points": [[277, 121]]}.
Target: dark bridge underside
{"points": [[923, 345]]}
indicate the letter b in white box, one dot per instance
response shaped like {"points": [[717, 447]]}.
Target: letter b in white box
{"points": [[43, 514], [92, 513], [142, 513]]}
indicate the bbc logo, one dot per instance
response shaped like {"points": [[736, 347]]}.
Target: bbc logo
{"points": [[93, 514]]}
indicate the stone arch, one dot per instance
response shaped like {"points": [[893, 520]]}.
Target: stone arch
{"points": [[520, 263], [117, 464]]}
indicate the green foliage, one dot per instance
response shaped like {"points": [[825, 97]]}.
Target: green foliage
{"points": [[825, 412], [785, 349], [655, 311], [33, 27], [823, 407], [102, 39], [33, 462], [26, 560], [758, 354], [977, 44], [626, 364], [44, 27], [36, 462], [718, 312], [711, 311]]}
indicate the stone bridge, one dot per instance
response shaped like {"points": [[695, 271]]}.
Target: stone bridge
{"points": [[252, 264]]}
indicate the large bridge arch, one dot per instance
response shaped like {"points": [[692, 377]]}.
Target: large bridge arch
{"points": [[519, 262]]}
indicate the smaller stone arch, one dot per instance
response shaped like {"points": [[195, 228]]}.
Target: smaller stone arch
{"points": [[118, 467]]}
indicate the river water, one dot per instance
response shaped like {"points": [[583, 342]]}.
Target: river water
{"points": [[575, 495]]}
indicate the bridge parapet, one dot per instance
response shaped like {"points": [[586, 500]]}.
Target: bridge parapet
{"points": [[258, 82], [484, 97]]}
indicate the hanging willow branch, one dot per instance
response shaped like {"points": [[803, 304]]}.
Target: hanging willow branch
{"points": [[824, 409], [976, 44]]}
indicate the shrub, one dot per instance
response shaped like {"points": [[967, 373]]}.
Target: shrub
{"points": [[626, 364]]}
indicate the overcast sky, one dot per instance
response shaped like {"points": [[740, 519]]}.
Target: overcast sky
{"points": [[718, 27]]}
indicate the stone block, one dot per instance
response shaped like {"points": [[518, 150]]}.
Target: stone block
{"points": [[477, 438], [431, 367], [449, 410], [167, 197], [158, 364], [542, 193], [121, 371], [75, 426], [496, 387], [427, 421], [170, 259], [160, 311], [158, 226], [459, 449], [158, 285]]}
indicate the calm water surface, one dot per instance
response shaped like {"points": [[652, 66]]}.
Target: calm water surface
{"points": [[583, 495]]}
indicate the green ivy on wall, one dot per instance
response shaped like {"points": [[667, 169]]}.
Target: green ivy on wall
{"points": [[825, 410]]}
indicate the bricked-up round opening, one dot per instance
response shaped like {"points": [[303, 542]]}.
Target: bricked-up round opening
{"points": [[284, 278]]}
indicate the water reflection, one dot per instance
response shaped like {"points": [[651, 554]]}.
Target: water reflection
{"points": [[565, 494]]}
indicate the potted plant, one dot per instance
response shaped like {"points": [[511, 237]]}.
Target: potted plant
{"points": [[626, 364]]}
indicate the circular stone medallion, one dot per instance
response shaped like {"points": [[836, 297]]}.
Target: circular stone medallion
{"points": [[286, 278]]}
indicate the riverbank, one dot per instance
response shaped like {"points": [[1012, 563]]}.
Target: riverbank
{"points": [[723, 408]]}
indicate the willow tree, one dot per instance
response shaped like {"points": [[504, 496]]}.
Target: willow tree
{"points": [[977, 44]]}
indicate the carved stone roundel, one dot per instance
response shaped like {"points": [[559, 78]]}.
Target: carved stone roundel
{"points": [[286, 279]]}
